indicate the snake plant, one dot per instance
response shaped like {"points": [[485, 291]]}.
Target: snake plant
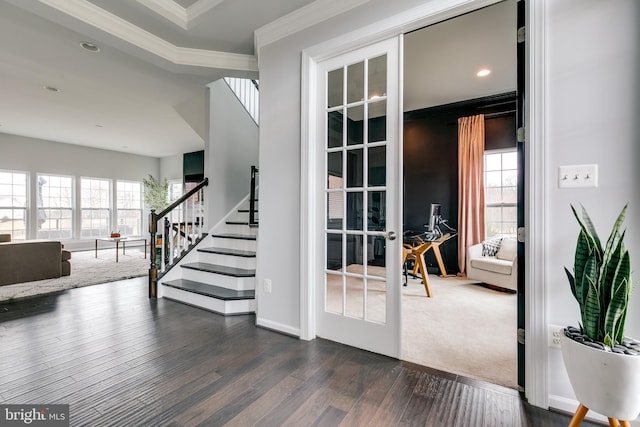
{"points": [[601, 280]]}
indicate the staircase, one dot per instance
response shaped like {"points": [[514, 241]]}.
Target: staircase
{"points": [[219, 275]]}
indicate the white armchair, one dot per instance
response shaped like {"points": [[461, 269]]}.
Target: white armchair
{"points": [[500, 270]]}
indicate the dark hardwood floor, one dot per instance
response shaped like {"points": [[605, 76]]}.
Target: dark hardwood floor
{"points": [[118, 358]]}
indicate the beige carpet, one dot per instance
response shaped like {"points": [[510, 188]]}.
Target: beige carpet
{"points": [[86, 270], [464, 328]]}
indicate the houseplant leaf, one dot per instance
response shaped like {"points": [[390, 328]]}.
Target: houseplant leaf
{"points": [[616, 312], [601, 280]]}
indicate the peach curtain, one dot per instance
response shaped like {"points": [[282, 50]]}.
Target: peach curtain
{"points": [[470, 185]]}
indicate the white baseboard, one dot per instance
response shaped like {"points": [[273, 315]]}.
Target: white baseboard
{"points": [[278, 327], [570, 405]]}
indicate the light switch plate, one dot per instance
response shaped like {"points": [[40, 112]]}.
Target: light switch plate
{"points": [[578, 176]]}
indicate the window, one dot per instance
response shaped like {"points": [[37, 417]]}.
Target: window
{"points": [[55, 207], [13, 204], [129, 208], [500, 192], [95, 206], [176, 189]]}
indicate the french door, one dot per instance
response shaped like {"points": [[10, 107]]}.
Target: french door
{"points": [[359, 230]]}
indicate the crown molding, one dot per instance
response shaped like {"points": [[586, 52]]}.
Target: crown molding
{"points": [[182, 17], [170, 10], [305, 17], [199, 8], [124, 30]]}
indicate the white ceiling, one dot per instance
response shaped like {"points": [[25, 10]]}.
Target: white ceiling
{"points": [[144, 92], [441, 61]]}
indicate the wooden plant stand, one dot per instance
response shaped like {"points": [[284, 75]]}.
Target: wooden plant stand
{"points": [[581, 412]]}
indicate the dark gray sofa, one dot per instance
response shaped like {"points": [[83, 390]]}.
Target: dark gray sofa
{"points": [[29, 260]]}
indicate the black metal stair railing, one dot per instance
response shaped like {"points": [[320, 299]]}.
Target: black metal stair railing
{"points": [[253, 197], [182, 226]]}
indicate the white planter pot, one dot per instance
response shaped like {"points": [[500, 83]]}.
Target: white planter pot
{"points": [[605, 382]]}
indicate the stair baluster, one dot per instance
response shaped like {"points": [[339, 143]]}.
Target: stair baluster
{"points": [[177, 237]]}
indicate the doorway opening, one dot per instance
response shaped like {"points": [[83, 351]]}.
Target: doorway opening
{"points": [[462, 67]]}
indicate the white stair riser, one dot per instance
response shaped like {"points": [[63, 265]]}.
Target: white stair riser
{"points": [[228, 260], [229, 282], [243, 229], [241, 216], [208, 303], [244, 245]]}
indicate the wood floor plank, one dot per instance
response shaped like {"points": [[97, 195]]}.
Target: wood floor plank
{"points": [[330, 417], [120, 359], [471, 407], [428, 388], [233, 392], [258, 408], [317, 405], [397, 399]]}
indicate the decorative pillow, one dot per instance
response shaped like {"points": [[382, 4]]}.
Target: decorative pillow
{"points": [[491, 247], [508, 249]]}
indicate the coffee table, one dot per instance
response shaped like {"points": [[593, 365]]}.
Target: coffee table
{"points": [[123, 240]]}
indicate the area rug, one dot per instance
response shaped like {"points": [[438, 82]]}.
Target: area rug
{"points": [[464, 328], [86, 270]]}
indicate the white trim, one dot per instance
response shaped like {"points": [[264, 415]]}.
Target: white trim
{"points": [[300, 19], [278, 327], [400, 182], [124, 30], [168, 9], [182, 17], [199, 8], [409, 20], [308, 272], [536, 277]]}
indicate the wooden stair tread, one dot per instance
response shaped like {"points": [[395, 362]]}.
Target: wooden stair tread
{"points": [[237, 222], [246, 210], [210, 290], [220, 269], [235, 236], [227, 251]]}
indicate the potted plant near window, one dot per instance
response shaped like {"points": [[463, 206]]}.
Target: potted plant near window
{"points": [[155, 193], [603, 365]]}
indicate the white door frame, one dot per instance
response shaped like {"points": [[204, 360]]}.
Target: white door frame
{"points": [[536, 364]]}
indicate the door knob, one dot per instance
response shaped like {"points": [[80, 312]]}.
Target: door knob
{"points": [[391, 235]]}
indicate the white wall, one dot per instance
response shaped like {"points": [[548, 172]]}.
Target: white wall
{"points": [[593, 100], [171, 167], [41, 156], [229, 153]]}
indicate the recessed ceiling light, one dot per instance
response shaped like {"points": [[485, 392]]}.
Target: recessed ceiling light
{"points": [[483, 73], [51, 89], [90, 47]]}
